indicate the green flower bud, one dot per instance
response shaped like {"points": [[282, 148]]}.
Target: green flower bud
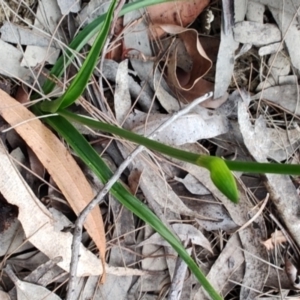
{"points": [[221, 176]]}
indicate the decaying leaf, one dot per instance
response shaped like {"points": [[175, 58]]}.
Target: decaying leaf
{"points": [[285, 96]]}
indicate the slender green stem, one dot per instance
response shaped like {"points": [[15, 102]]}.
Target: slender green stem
{"points": [[262, 168], [133, 137], [251, 167]]}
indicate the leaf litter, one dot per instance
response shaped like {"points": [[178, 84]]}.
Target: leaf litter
{"points": [[168, 66]]}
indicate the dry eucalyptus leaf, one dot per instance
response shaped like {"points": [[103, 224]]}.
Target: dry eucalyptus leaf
{"points": [[154, 256], [227, 263], [288, 24], [17, 34], [59, 163], [137, 38], [10, 61], [168, 102], [255, 33], [279, 63], [149, 283], [4, 296], [47, 16], [179, 278], [115, 287], [225, 64], [255, 12], [67, 6], [193, 185], [12, 238], [109, 71], [91, 11]]}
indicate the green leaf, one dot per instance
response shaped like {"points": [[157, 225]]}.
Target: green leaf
{"points": [[82, 78]]}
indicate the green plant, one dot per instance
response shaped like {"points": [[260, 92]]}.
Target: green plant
{"points": [[219, 168]]}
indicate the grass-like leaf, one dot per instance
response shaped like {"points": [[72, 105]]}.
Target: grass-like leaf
{"points": [[82, 78]]}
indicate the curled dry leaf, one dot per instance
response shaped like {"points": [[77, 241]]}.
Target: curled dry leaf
{"points": [[185, 76], [58, 162], [277, 238], [201, 62]]}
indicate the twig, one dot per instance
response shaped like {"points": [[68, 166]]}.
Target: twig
{"points": [[83, 215]]}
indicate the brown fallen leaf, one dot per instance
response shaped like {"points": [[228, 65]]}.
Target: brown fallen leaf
{"points": [[58, 162], [180, 13]]}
